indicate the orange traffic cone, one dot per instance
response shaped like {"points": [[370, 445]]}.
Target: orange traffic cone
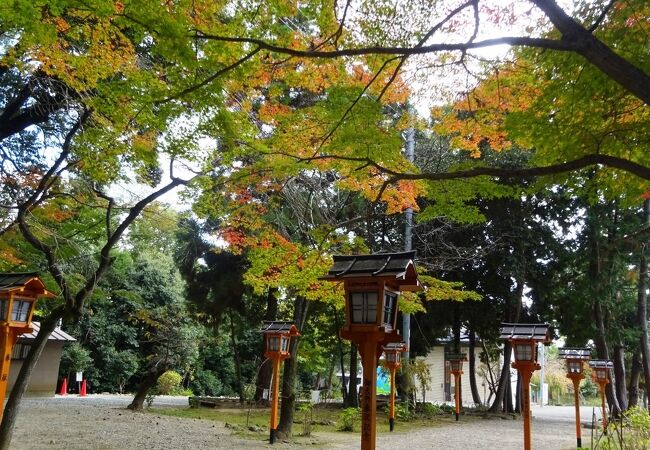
{"points": [[82, 391], [64, 387]]}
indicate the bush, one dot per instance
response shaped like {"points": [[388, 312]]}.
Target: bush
{"points": [[403, 412], [639, 420], [206, 384], [169, 382], [429, 410], [348, 418]]}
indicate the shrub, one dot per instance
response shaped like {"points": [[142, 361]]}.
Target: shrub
{"points": [[404, 412], [348, 418], [168, 382], [206, 383], [429, 410]]}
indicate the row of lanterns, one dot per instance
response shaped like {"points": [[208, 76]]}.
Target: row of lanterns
{"points": [[372, 284]]}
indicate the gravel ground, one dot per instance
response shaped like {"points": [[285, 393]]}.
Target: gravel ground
{"points": [[103, 423]]}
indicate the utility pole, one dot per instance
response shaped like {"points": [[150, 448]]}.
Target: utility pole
{"points": [[408, 240]]}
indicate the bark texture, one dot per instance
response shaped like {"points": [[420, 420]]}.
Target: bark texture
{"points": [[265, 372], [288, 404], [476, 398], [13, 403], [642, 304]]}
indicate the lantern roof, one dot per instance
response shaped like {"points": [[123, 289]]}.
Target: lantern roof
{"points": [[539, 332], [601, 364], [397, 266], [279, 327], [575, 353], [456, 357], [23, 281], [395, 346]]}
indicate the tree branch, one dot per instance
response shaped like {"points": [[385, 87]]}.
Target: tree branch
{"points": [[630, 77], [104, 255], [211, 78], [398, 51], [601, 17], [626, 165]]}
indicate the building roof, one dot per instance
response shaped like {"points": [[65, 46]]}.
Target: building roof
{"points": [[12, 282], [574, 353], [399, 266], [526, 331], [57, 335]]}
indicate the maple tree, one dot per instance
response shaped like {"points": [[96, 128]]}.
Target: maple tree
{"points": [[252, 100]]}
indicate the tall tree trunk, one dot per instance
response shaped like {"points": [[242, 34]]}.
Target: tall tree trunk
{"points": [[13, 403], [476, 398], [148, 381], [353, 393], [504, 379], [265, 373], [237, 360], [603, 352], [455, 328], [619, 376], [596, 273], [642, 304], [518, 396], [635, 375], [503, 395], [301, 305], [344, 389]]}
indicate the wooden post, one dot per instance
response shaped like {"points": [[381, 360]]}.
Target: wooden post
{"points": [[526, 373], [457, 393], [274, 401], [368, 350], [391, 418], [602, 386], [576, 400], [6, 346]]}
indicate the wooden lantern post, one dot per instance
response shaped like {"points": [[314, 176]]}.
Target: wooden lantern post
{"points": [[524, 339], [18, 295], [456, 362], [600, 375], [372, 284], [393, 360], [277, 336], [575, 357]]}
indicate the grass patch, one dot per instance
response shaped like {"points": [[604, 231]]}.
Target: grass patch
{"points": [[325, 421]]}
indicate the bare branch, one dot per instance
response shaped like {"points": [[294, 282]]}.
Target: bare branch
{"points": [[400, 51], [601, 17], [629, 76], [211, 78], [354, 103], [104, 255], [109, 208], [588, 160]]}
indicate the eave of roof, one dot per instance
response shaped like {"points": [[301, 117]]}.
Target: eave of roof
{"points": [[57, 335]]}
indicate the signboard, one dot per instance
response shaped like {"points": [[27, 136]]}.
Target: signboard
{"points": [[80, 376]]}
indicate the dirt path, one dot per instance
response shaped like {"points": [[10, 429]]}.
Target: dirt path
{"points": [[103, 423]]}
